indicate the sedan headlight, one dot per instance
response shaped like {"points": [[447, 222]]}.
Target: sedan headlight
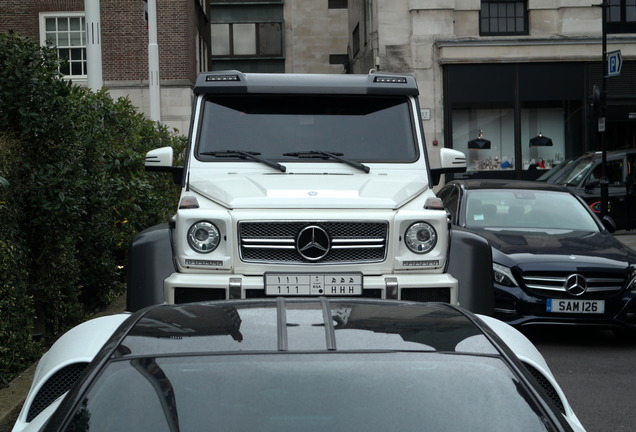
{"points": [[503, 275], [203, 237], [420, 237]]}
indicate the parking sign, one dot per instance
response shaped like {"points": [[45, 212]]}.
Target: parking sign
{"points": [[614, 63]]}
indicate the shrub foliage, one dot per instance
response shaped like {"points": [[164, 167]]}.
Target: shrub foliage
{"points": [[73, 192]]}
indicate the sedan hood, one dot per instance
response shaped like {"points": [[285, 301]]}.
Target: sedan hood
{"points": [[563, 248], [312, 190]]}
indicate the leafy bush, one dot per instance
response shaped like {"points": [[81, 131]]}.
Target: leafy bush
{"points": [[75, 192], [17, 348]]}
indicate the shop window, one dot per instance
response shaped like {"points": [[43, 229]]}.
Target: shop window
{"points": [[486, 136], [503, 17], [67, 33], [247, 40], [542, 137]]}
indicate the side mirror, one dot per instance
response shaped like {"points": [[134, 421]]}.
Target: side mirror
{"points": [[160, 160], [609, 223], [451, 161]]}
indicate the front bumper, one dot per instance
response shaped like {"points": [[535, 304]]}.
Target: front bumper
{"points": [[518, 308], [190, 287]]}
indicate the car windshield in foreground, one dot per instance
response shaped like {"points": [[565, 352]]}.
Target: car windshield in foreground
{"points": [[309, 392], [363, 129], [533, 210]]}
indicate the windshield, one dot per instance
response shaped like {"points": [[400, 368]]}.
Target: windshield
{"points": [[527, 209], [577, 173], [309, 392], [552, 175], [363, 129]]}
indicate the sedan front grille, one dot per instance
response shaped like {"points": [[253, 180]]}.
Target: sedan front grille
{"points": [[350, 241], [554, 284]]}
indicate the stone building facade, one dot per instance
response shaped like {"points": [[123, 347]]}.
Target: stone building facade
{"points": [[508, 71]]}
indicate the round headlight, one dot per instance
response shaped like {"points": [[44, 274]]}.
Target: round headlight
{"points": [[420, 237], [203, 237]]}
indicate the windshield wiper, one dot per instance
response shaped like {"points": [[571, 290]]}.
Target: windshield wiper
{"points": [[246, 155], [329, 155]]}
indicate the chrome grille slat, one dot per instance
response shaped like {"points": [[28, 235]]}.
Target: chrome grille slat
{"points": [[551, 283], [351, 241]]}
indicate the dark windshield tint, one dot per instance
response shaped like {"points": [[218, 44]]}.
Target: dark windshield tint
{"points": [[527, 209], [309, 392], [365, 129]]}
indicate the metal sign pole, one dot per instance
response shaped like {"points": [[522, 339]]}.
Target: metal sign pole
{"points": [[605, 71]]}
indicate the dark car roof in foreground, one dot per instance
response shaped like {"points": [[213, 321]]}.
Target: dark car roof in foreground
{"points": [[307, 324], [472, 184]]}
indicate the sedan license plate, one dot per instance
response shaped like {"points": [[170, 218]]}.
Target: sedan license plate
{"points": [[302, 284], [575, 306]]}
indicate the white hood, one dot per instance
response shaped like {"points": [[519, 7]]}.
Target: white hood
{"points": [[311, 190]]}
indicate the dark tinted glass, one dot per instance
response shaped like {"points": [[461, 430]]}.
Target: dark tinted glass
{"points": [[366, 129], [309, 392]]}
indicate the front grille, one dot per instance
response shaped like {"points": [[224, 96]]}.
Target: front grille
{"points": [[426, 294], [553, 284], [56, 386], [275, 242]]}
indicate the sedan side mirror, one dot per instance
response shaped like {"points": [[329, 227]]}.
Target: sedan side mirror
{"points": [[609, 223]]}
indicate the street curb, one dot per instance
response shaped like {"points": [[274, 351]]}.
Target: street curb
{"points": [[12, 397]]}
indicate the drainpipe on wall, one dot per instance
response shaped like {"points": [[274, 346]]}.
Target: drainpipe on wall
{"points": [[153, 63], [93, 45]]}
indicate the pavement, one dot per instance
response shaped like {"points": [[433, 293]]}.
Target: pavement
{"points": [[12, 397]]}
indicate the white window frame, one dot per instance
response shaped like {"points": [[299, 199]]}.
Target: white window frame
{"points": [[66, 14]]}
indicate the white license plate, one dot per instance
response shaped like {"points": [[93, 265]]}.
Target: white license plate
{"points": [[290, 284], [575, 306]]}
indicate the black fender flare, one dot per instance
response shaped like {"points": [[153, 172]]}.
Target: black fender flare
{"points": [[470, 262], [150, 262]]}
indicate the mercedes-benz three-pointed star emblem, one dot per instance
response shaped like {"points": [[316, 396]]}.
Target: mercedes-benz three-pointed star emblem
{"points": [[313, 243], [575, 285]]}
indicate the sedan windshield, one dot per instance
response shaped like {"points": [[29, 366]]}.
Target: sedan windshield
{"points": [[309, 392], [522, 209], [362, 129]]}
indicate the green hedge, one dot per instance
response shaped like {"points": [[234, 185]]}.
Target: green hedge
{"points": [[76, 195]]}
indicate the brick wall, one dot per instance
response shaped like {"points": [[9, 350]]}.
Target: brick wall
{"points": [[124, 34]]}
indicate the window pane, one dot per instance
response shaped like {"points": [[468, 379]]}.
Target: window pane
{"points": [[76, 39], [62, 40], [76, 69], [75, 23], [220, 39], [270, 41], [65, 69], [64, 53], [244, 39], [62, 24], [50, 24], [503, 16], [76, 54]]}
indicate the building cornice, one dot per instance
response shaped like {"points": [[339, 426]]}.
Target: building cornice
{"points": [[507, 50]]}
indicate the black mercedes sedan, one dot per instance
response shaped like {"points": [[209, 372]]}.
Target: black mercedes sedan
{"points": [[554, 260]]}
